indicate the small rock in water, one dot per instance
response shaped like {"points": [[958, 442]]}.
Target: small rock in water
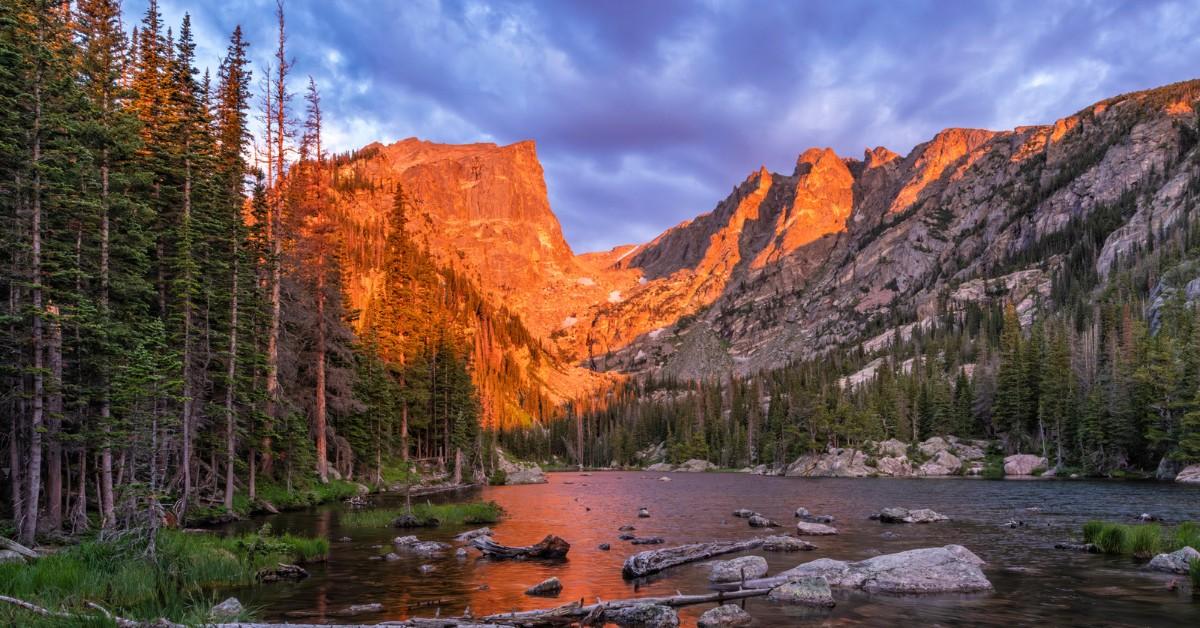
{"points": [[648, 540], [802, 513], [344, 539], [889, 535], [808, 591], [473, 534], [643, 513], [814, 529], [549, 586], [1014, 523], [1078, 547], [483, 587], [744, 513], [231, 607], [426, 569], [1175, 562], [786, 544], [738, 569], [604, 547], [391, 556], [460, 552], [759, 521], [625, 537], [626, 528], [726, 616], [282, 571], [640, 615], [1149, 517], [664, 479]]}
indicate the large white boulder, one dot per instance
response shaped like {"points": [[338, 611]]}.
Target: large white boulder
{"points": [[948, 569], [1189, 475], [1175, 562], [1023, 464]]}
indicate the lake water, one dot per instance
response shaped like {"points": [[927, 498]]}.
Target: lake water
{"points": [[1034, 583]]}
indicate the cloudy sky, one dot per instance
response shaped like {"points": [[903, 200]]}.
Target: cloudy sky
{"points": [[648, 112]]}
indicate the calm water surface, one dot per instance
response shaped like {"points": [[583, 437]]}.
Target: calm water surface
{"points": [[1034, 583]]}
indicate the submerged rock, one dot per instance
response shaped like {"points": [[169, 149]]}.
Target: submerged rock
{"points": [[804, 515], [426, 569], [643, 513], [648, 540], [814, 529], [738, 569], [744, 513], [786, 544], [549, 586], [1078, 547], [640, 616], [231, 607], [725, 616], [806, 590], [604, 547], [1176, 562], [282, 571]]}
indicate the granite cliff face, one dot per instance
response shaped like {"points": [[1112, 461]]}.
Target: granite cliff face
{"points": [[840, 251]]}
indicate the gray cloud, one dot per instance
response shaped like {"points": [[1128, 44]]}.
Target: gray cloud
{"points": [[646, 113]]}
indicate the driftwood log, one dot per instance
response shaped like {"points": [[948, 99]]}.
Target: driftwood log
{"points": [[18, 548], [550, 547], [654, 561]]}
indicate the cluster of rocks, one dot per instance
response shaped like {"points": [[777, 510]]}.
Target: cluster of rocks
{"points": [[518, 472], [695, 465], [936, 456]]}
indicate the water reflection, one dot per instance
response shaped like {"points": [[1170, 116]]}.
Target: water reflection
{"points": [[1034, 583]]}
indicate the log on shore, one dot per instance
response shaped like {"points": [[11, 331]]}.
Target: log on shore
{"points": [[575, 611], [10, 544], [654, 561], [550, 547]]}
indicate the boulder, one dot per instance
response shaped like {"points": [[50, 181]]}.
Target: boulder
{"points": [[604, 547], [549, 586], [660, 467], [282, 571], [1078, 547], [695, 465], [805, 528], [231, 607], [942, 463], [664, 479], [738, 569], [420, 548], [786, 544], [516, 472], [647, 540], [1023, 464], [968, 452], [834, 463], [460, 552], [1189, 475], [640, 616], [1168, 469], [391, 556], [894, 466], [653, 454], [931, 446], [1175, 562], [805, 590], [759, 521], [892, 448], [948, 569], [744, 513], [643, 513], [9, 556], [725, 616]]}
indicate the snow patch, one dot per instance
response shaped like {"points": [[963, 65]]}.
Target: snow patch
{"points": [[614, 296], [569, 322], [642, 281], [657, 332], [586, 281], [628, 253]]}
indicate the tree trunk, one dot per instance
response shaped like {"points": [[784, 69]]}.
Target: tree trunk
{"points": [[230, 385], [27, 521], [106, 484], [54, 463], [322, 463]]}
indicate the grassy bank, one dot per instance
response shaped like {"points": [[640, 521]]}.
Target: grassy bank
{"points": [[429, 514], [176, 583], [1142, 540], [278, 496]]}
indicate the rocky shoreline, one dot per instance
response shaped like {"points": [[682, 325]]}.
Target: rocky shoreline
{"points": [[937, 457]]}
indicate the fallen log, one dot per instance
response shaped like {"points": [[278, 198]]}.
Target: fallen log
{"points": [[550, 547], [10, 544], [654, 561], [576, 611]]}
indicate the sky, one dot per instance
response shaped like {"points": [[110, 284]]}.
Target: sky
{"points": [[648, 112]]}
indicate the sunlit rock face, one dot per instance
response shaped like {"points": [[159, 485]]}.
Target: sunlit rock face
{"points": [[788, 265]]}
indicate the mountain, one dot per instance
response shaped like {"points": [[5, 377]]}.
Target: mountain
{"points": [[843, 250], [839, 251]]}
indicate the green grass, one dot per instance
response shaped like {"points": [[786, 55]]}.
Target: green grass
{"points": [[1194, 574], [993, 468], [278, 495], [452, 514], [177, 583], [1142, 540]]}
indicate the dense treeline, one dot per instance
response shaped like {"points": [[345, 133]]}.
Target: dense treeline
{"points": [[174, 334], [1101, 375]]}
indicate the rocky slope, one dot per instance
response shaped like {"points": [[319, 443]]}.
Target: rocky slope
{"points": [[840, 251], [843, 250]]}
